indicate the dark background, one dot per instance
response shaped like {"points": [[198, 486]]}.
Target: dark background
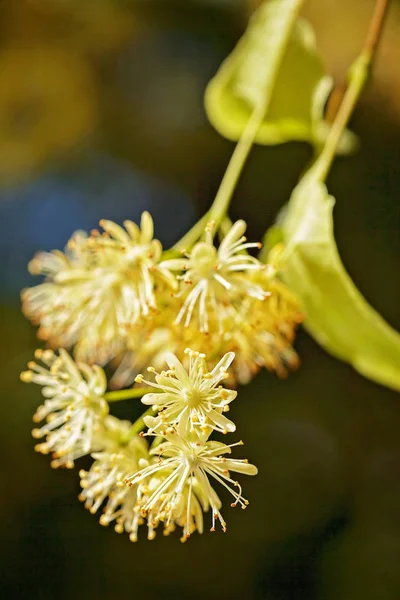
{"points": [[129, 133]]}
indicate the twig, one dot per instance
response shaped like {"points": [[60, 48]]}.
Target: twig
{"points": [[358, 75]]}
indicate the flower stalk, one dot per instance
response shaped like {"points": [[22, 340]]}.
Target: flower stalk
{"points": [[220, 206], [359, 73], [125, 394]]}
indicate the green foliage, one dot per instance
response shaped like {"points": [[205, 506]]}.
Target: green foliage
{"points": [[337, 315], [276, 63]]}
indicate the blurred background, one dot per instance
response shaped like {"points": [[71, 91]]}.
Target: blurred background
{"points": [[101, 116]]}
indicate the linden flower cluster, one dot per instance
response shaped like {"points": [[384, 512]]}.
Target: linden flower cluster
{"points": [[209, 317], [112, 296], [169, 483]]}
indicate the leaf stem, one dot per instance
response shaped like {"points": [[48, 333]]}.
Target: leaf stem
{"points": [[125, 394], [358, 75]]}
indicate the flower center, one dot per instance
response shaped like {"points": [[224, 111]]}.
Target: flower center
{"points": [[193, 397], [204, 259]]}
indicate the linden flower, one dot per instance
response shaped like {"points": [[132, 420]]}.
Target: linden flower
{"points": [[190, 398], [184, 467], [102, 283], [104, 481], [260, 335], [104, 485], [74, 408], [219, 276], [264, 334]]}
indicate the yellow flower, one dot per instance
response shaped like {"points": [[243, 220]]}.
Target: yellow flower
{"points": [[124, 505], [182, 482], [104, 481], [101, 284], [220, 277], [74, 409], [190, 398], [260, 333]]}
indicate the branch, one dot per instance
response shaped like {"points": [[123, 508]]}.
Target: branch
{"points": [[358, 75]]}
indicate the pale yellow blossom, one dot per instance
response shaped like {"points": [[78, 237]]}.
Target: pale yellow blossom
{"points": [[104, 483], [216, 277], [102, 283], [190, 398], [183, 473], [74, 409]]}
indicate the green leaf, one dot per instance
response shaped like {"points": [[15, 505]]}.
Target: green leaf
{"points": [[276, 63], [336, 314]]}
